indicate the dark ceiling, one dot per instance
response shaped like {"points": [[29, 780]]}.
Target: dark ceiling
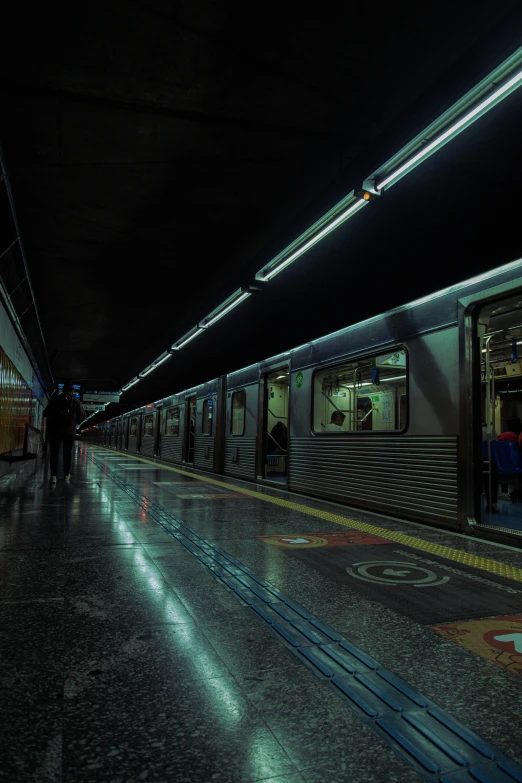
{"points": [[160, 153]]}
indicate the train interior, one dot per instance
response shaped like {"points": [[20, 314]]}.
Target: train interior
{"points": [[500, 335], [367, 394], [277, 422]]}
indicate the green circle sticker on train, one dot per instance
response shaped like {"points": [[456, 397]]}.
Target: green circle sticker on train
{"points": [[299, 380]]}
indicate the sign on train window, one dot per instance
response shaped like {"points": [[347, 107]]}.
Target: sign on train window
{"points": [[237, 422], [172, 425], [148, 424], [133, 427], [208, 413], [369, 394]]}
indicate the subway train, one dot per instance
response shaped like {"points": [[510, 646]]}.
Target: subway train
{"points": [[399, 414]]}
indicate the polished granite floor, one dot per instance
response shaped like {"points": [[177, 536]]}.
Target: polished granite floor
{"points": [[123, 660]]}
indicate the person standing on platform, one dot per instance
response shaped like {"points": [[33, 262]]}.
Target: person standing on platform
{"points": [[63, 413]]}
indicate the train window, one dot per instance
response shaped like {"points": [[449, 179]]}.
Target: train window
{"points": [[148, 423], [172, 425], [208, 413], [365, 395], [238, 413], [133, 427]]}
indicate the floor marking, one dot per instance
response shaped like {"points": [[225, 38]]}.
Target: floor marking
{"points": [[426, 737], [458, 555], [498, 639], [310, 540]]}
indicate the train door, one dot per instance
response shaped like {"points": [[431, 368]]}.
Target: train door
{"points": [[190, 429], [498, 447], [159, 430], [275, 422]]}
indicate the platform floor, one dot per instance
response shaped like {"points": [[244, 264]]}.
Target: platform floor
{"points": [[160, 624]]}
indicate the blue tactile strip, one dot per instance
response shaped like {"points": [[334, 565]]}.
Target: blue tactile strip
{"points": [[436, 745]]}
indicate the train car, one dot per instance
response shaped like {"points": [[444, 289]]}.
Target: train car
{"points": [[133, 431], [147, 434], [242, 411], [170, 443], [399, 414]]}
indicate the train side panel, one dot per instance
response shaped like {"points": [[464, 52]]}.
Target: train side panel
{"points": [[410, 472]]}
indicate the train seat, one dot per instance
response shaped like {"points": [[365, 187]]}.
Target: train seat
{"points": [[507, 457]]}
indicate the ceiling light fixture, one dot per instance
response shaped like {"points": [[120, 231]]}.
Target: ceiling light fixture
{"points": [[236, 298], [453, 131], [463, 113], [187, 338], [332, 219], [163, 358], [131, 383]]}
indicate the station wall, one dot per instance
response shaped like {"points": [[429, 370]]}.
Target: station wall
{"points": [[21, 396]]}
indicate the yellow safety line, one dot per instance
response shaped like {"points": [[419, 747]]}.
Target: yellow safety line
{"points": [[466, 558]]}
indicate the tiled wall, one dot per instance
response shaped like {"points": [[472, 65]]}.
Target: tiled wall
{"points": [[15, 406]]}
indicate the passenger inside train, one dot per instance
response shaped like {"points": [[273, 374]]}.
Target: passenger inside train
{"points": [[513, 432], [369, 394], [501, 381], [336, 422]]}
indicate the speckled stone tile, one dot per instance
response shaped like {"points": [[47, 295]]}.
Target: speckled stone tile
{"points": [[122, 578], [102, 611], [117, 553], [25, 581], [363, 766], [31, 690], [31, 747], [208, 602], [152, 535], [73, 541], [171, 548], [27, 540], [248, 647], [301, 712], [180, 571], [22, 560], [89, 527], [123, 764], [199, 728], [143, 659]]}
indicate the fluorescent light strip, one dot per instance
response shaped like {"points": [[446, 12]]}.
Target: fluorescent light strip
{"points": [[515, 81], [146, 372], [131, 383], [454, 130], [226, 309], [177, 346], [153, 366], [317, 238], [160, 361]]}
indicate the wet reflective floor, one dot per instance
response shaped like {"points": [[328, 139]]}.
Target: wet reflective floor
{"points": [[124, 659]]}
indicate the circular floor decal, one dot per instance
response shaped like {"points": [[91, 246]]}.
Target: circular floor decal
{"points": [[296, 542], [395, 572]]}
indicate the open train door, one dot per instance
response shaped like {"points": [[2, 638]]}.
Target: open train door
{"points": [[275, 421], [498, 505]]}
